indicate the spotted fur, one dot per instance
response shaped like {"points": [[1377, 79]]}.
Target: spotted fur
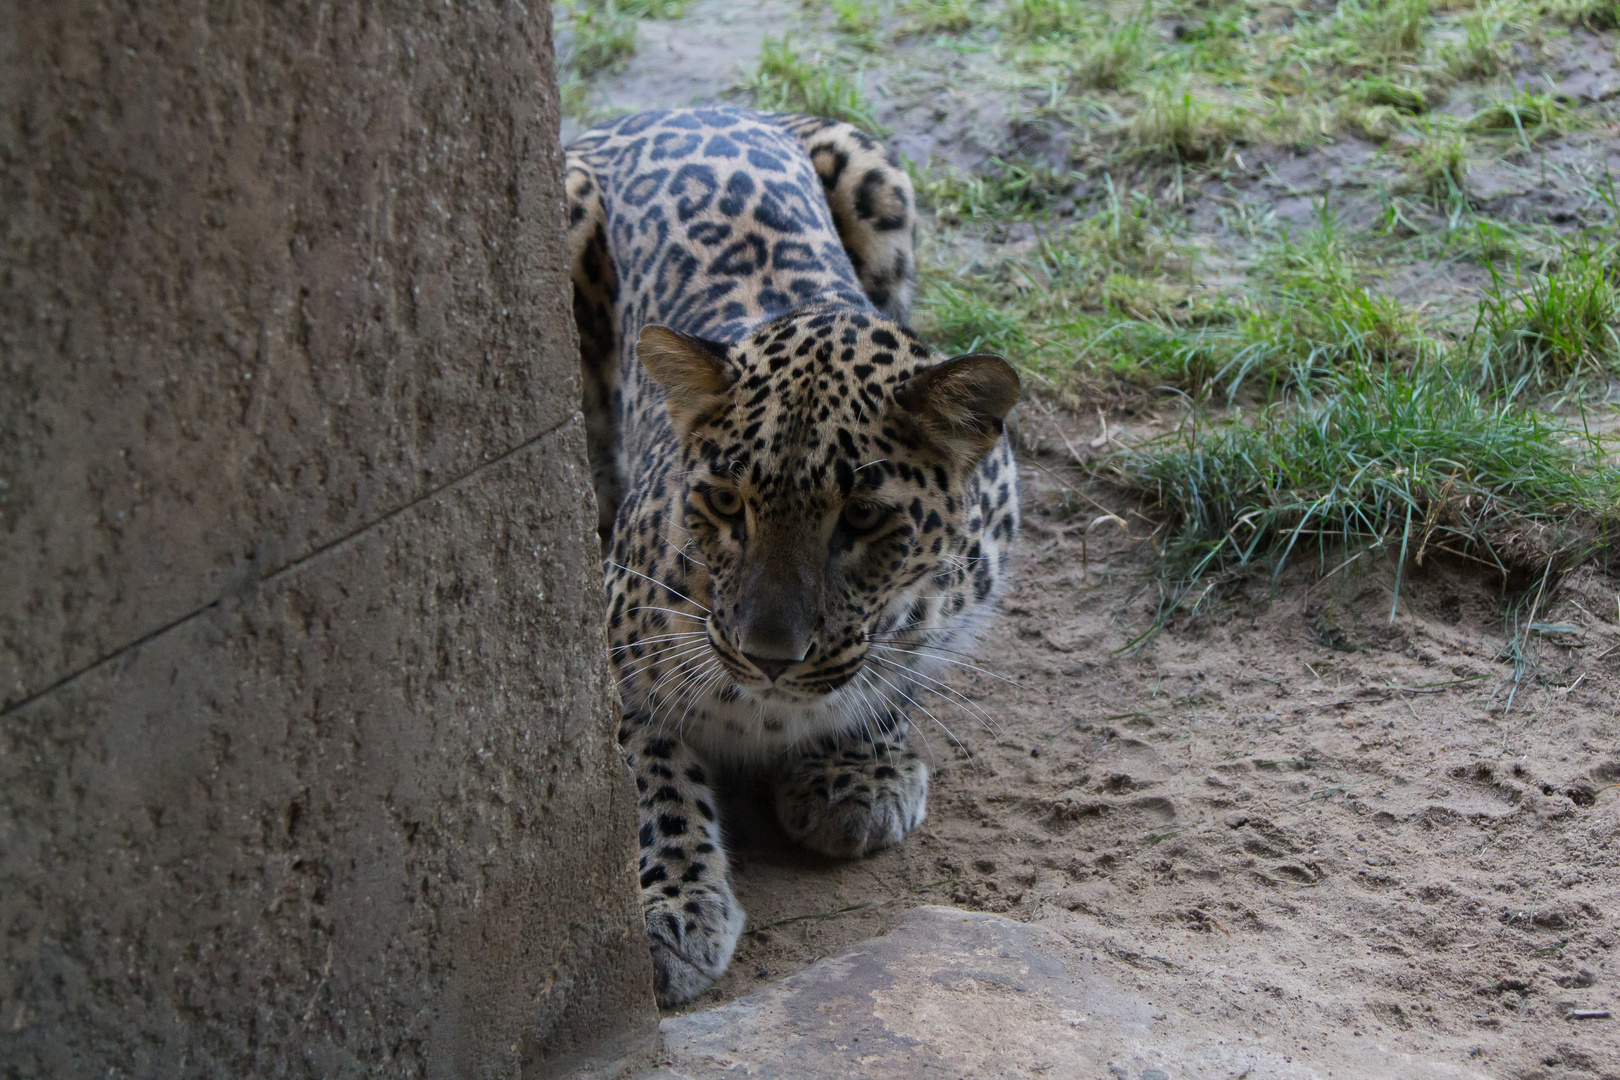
{"points": [[814, 508]]}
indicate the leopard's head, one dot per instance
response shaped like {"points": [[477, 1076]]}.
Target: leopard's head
{"points": [[825, 463]]}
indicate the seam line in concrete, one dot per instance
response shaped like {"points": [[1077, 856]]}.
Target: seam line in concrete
{"points": [[287, 568]]}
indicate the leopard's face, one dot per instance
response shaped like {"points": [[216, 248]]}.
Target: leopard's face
{"points": [[805, 560], [826, 461]]}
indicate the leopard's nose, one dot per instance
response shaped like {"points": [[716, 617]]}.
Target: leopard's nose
{"points": [[772, 669]]}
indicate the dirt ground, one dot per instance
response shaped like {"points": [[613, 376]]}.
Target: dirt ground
{"points": [[1292, 813]]}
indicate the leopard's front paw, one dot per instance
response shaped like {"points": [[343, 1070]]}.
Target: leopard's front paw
{"points": [[848, 802], [692, 934]]}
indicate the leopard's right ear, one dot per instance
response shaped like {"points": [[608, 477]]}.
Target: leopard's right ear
{"points": [[959, 406], [693, 372]]}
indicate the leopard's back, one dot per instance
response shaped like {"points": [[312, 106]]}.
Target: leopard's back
{"points": [[711, 221]]}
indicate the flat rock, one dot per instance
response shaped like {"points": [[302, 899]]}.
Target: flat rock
{"points": [[955, 993]]}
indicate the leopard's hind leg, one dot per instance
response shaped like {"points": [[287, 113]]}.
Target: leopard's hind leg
{"points": [[873, 207], [596, 288]]}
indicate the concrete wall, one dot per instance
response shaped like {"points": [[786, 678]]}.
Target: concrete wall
{"points": [[306, 755]]}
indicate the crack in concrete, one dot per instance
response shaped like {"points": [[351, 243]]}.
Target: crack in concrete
{"points": [[286, 568]]}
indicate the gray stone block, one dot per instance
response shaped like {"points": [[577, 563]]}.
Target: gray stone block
{"points": [[955, 993]]}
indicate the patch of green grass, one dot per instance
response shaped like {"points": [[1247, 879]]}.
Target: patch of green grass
{"points": [[1402, 95], [574, 97], [1375, 122], [604, 37], [941, 16], [962, 319], [1113, 60], [1001, 191], [1082, 46], [857, 22], [1485, 49], [1502, 242], [1116, 298], [1592, 14], [1305, 314], [1044, 20], [1179, 123], [1301, 124], [1381, 460], [788, 81], [1131, 233], [1294, 336], [1056, 303], [1553, 330], [654, 9], [1527, 114], [1439, 165], [1383, 31], [1320, 272], [1216, 42]]}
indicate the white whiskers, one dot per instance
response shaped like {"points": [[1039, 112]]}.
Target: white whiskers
{"points": [[660, 584], [879, 676], [919, 651], [669, 610], [949, 693]]}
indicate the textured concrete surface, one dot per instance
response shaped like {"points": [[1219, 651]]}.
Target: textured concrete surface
{"points": [[267, 272], [955, 994], [355, 815], [307, 763]]}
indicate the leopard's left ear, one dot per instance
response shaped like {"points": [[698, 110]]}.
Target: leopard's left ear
{"points": [[961, 403], [692, 371]]}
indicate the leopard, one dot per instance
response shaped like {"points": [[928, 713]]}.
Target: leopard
{"points": [[807, 512]]}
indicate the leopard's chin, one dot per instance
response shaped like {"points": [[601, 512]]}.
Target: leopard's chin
{"points": [[804, 688], [782, 695]]}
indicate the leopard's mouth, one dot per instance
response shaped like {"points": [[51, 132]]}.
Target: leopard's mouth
{"points": [[808, 680], [801, 689]]}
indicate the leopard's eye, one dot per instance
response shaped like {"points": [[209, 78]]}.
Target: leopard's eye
{"points": [[724, 501], [861, 516]]}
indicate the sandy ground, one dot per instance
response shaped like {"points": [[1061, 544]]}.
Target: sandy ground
{"points": [[1291, 813]]}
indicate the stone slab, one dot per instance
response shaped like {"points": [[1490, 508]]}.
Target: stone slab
{"points": [[267, 273], [365, 818], [954, 994]]}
